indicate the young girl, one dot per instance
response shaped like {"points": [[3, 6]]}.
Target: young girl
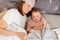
{"points": [[37, 24], [37, 21]]}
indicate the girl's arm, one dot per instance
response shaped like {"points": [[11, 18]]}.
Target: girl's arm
{"points": [[46, 24]]}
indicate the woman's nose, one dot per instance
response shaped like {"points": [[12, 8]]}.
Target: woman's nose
{"points": [[30, 7]]}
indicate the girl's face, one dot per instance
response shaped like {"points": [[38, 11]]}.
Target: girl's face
{"points": [[36, 16], [26, 8]]}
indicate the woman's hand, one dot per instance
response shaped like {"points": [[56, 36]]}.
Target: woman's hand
{"points": [[22, 35]]}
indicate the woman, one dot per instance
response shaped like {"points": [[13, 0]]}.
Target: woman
{"points": [[13, 22]]}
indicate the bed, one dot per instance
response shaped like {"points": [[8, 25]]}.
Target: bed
{"points": [[54, 21]]}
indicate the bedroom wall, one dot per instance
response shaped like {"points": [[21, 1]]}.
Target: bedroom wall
{"points": [[8, 4], [48, 6]]}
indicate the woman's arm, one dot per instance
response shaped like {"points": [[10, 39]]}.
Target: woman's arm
{"points": [[11, 33], [6, 32], [3, 23], [3, 31]]}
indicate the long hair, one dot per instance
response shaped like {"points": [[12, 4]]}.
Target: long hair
{"points": [[20, 6]]}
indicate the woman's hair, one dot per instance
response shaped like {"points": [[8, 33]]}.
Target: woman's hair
{"points": [[20, 6]]}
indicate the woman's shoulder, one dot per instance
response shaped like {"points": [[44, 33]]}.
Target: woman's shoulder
{"points": [[11, 10], [10, 13]]}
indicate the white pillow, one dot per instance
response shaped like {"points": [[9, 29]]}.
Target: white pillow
{"points": [[57, 31], [54, 20], [49, 35]]}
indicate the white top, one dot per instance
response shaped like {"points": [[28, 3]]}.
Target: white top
{"points": [[15, 20]]}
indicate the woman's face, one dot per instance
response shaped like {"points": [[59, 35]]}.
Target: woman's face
{"points": [[36, 16], [26, 8]]}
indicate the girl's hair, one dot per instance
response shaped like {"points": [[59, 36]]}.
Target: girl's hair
{"points": [[36, 10], [20, 6]]}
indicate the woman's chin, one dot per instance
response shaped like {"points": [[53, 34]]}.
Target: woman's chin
{"points": [[25, 12]]}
